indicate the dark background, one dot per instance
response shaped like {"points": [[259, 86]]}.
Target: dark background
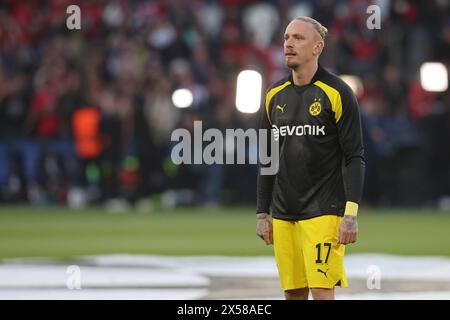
{"points": [[86, 115]]}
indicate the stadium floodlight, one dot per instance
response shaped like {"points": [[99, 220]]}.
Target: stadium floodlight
{"points": [[354, 82], [182, 98], [248, 91], [434, 76]]}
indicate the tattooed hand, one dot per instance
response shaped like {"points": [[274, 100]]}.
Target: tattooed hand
{"points": [[264, 228], [348, 230]]}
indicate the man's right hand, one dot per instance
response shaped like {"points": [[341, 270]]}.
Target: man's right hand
{"points": [[264, 228]]}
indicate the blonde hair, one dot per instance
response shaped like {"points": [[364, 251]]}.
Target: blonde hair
{"points": [[317, 26]]}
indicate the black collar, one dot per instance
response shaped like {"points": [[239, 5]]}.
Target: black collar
{"points": [[317, 76]]}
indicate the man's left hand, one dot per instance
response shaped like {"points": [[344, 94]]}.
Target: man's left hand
{"points": [[348, 230]]}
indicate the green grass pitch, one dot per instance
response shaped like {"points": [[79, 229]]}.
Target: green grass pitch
{"points": [[63, 233]]}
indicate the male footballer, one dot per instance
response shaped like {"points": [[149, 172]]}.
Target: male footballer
{"points": [[314, 196]]}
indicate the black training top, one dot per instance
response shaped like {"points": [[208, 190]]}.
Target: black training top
{"points": [[318, 129]]}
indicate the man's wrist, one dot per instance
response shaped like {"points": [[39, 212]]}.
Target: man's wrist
{"points": [[351, 209], [262, 215]]}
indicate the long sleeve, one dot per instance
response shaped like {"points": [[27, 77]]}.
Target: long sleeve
{"points": [[351, 142], [264, 182]]}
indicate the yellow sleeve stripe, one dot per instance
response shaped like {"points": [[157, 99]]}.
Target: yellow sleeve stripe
{"points": [[272, 92], [335, 98], [351, 209]]}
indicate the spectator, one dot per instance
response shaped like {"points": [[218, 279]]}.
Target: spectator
{"points": [[102, 94]]}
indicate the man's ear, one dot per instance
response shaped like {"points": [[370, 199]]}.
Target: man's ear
{"points": [[318, 47]]}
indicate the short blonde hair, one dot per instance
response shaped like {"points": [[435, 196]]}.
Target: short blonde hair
{"points": [[317, 26]]}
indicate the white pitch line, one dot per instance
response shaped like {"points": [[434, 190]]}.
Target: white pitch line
{"points": [[35, 276]]}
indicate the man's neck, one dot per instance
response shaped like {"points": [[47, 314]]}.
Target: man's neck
{"points": [[304, 74]]}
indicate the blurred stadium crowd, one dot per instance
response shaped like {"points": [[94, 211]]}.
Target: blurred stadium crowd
{"points": [[86, 115]]}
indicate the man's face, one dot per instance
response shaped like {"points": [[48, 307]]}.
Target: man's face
{"points": [[301, 43]]}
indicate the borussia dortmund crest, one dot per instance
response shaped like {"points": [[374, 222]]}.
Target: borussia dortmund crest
{"points": [[315, 107]]}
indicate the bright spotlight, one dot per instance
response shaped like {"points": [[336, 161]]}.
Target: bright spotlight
{"points": [[433, 76], [182, 98], [248, 91], [353, 82]]}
